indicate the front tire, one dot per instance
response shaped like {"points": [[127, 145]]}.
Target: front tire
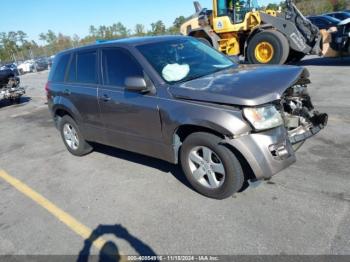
{"points": [[268, 47], [72, 137], [211, 168]]}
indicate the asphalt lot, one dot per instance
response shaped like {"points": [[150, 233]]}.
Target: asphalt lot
{"points": [[303, 210]]}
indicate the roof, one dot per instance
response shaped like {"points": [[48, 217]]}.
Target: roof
{"points": [[131, 41]]}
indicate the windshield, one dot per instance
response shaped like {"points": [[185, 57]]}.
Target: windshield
{"points": [[181, 60]]}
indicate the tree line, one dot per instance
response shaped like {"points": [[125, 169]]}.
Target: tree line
{"points": [[14, 45], [315, 7]]}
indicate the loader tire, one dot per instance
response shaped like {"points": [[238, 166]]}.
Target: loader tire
{"points": [[268, 47]]}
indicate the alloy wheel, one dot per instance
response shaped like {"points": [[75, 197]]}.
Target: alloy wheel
{"points": [[206, 167], [71, 136]]}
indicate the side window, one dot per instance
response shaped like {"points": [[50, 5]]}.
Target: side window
{"points": [[222, 7], [118, 64], [61, 68], [72, 73], [86, 67]]}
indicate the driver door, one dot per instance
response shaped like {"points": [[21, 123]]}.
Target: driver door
{"points": [[131, 119]]}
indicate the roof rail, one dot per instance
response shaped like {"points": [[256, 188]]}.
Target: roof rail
{"points": [[100, 41]]}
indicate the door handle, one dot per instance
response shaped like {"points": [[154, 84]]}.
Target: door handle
{"points": [[105, 98], [66, 91]]}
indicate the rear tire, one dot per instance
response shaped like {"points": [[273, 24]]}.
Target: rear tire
{"points": [[211, 168], [268, 47], [72, 137]]}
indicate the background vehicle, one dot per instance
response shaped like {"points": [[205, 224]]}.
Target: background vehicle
{"points": [[26, 67], [236, 28], [12, 66], [339, 15], [10, 86], [324, 21], [179, 100], [41, 64], [335, 35]]}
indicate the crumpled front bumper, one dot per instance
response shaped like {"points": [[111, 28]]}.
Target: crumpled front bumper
{"points": [[267, 152], [319, 122], [271, 151]]}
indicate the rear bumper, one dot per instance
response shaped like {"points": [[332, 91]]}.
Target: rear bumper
{"points": [[267, 153]]}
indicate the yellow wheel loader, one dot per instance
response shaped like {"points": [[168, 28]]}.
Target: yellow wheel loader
{"points": [[235, 27]]}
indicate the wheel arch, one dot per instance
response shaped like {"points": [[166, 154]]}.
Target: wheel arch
{"points": [[65, 108], [183, 131]]}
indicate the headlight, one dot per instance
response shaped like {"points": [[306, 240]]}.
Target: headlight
{"points": [[263, 118]]}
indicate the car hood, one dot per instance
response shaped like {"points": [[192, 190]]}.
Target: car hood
{"points": [[246, 85]]}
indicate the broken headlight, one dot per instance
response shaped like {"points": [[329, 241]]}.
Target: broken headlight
{"points": [[263, 118]]}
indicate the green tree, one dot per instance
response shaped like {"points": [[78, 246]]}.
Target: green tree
{"points": [[272, 6], [179, 21], [92, 30], [139, 30], [158, 28], [339, 5], [175, 29], [121, 30], [313, 7]]}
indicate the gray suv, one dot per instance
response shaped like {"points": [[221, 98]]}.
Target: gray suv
{"points": [[176, 99]]}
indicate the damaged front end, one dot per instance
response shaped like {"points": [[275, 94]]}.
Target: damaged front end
{"points": [[301, 119], [11, 90]]}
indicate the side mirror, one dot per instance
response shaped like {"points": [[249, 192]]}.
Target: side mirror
{"points": [[136, 84]]}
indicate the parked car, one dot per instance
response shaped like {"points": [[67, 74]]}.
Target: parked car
{"points": [[324, 21], [41, 64], [339, 15], [26, 67], [50, 59], [12, 67], [176, 99]]}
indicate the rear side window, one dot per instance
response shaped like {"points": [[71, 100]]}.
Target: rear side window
{"points": [[72, 72], [61, 67], [118, 64], [83, 68]]}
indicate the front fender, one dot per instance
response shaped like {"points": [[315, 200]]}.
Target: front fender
{"points": [[227, 121]]}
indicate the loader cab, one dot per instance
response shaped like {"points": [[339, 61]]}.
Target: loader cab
{"points": [[234, 16], [236, 10]]}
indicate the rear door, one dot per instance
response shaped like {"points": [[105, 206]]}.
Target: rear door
{"points": [[80, 90], [131, 119]]}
